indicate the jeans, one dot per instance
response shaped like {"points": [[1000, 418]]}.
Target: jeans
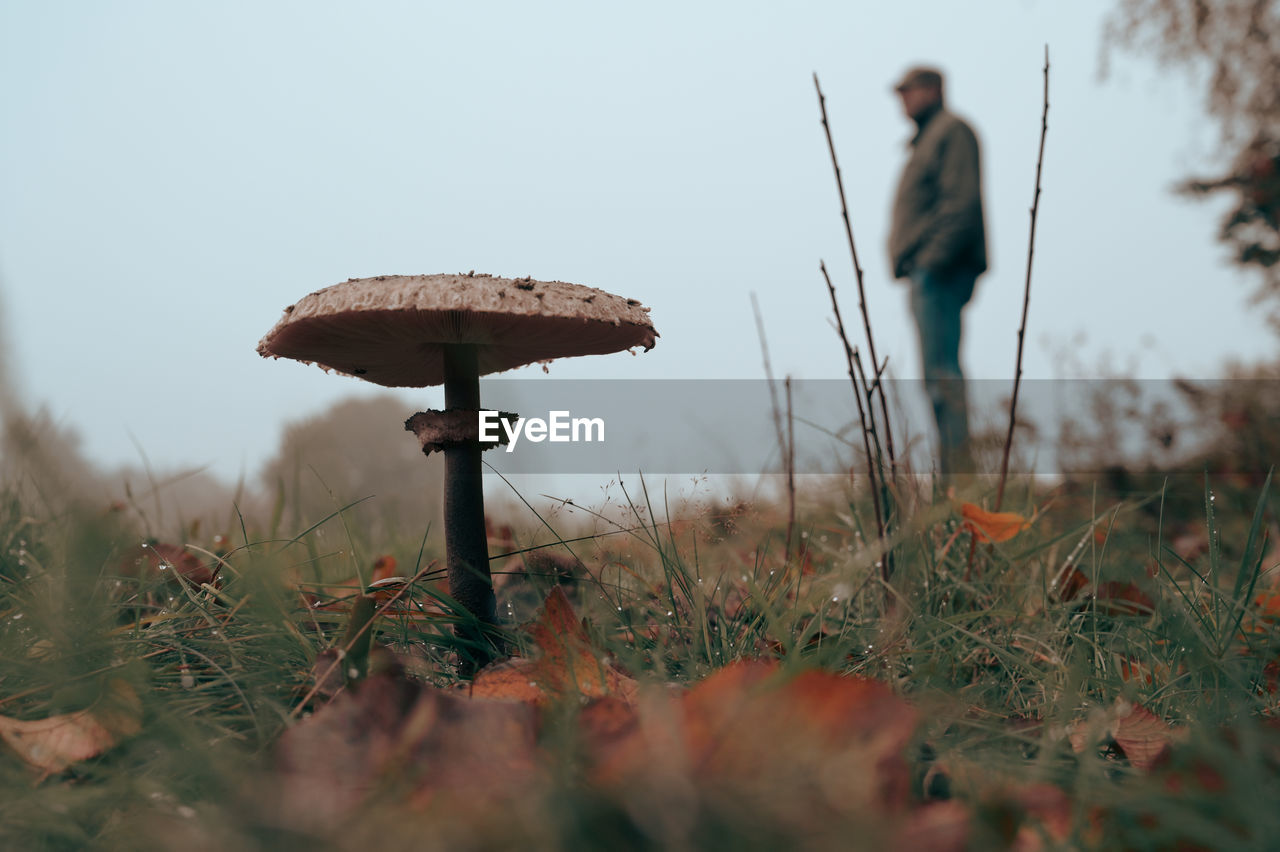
{"points": [[937, 299]]}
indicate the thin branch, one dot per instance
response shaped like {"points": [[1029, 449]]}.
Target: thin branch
{"points": [[1026, 296], [791, 472], [857, 269], [886, 559], [850, 356]]}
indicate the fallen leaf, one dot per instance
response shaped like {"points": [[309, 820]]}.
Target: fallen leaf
{"points": [[1119, 598], [566, 663], [384, 568], [1142, 736], [394, 734], [1135, 732], [790, 747], [1068, 584], [992, 526], [1268, 605], [170, 561], [54, 743]]}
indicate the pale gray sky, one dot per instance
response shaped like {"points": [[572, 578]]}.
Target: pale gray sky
{"points": [[172, 175]]}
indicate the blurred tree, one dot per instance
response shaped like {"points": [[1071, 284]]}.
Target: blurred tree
{"points": [[358, 449], [1238, 43]]}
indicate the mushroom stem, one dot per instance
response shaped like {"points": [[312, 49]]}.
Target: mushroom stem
{"points": [[466, 547]]}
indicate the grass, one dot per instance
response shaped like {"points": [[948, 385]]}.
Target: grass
{"points": [[999, 660]]}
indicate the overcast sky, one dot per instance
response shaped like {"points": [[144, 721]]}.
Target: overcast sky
{"points": [[172, 175]]}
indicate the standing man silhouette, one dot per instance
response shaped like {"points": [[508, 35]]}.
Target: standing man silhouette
{"points": [[938, 241]]}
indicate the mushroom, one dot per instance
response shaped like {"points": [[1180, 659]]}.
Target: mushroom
{"points": [[424, 330]]}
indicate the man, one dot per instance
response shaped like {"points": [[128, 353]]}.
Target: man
{"points": [[938, 242]]}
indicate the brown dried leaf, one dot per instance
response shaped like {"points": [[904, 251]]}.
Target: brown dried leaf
{"points": [[1068, 584], [1118, 598], [1136, 732], [391, 733], [170, 561], [1142, 736], [789, 745], [53, 744], [567, 664], [510, 680]]}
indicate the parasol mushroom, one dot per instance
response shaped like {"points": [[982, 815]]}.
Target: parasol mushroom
{"points": [[424, 330]]}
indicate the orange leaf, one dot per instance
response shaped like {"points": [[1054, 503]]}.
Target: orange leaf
{"points": [[55, 743], [1268, 604], [992, 526], [784, 745], [567, 664]]}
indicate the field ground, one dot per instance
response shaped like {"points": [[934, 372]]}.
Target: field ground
{"points": [[1096, 666]]}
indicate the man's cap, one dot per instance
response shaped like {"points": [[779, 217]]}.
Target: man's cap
{"points": [[922, 76]]}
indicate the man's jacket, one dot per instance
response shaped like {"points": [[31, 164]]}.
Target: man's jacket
{"points": [[937, 213]]}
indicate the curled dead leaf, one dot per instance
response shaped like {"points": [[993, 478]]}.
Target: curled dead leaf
{"points": [[395, 734], [1136, 733], [567, 663], [55, 743]]}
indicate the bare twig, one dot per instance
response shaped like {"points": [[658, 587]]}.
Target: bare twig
{"points": [[851, 356], [857, 269], [886, 558], [1026, 296], [791, 472]]}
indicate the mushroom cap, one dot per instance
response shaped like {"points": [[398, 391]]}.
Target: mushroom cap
{"points": [[391, 329]]}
